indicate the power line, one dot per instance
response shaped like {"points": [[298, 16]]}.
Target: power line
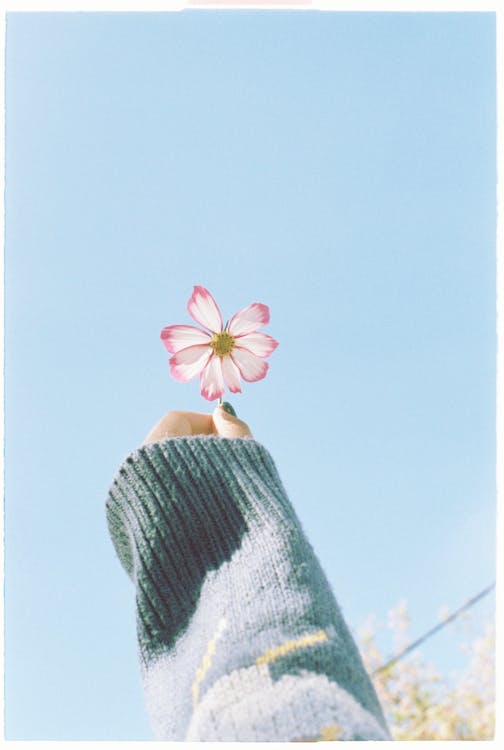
{"points": [[433, 630]]}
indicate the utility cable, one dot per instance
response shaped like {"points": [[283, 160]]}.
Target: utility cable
{"points": [[435, 629]]}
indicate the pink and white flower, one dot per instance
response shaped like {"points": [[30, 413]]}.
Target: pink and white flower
{"points": [[220, 354]]}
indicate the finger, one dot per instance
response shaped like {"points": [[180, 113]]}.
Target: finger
{"points": [[226, 425], [180, 424], [200, 424]]}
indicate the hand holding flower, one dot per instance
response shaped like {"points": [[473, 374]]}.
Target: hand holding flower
{"points": [[185, 423]]}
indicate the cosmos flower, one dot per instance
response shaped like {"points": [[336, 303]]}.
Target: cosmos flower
{"points": [[220, 354]]}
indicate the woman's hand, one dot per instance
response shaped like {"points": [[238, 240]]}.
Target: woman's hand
{"points": [[183, 423]]}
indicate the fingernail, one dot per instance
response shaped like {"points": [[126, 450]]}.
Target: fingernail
{"points": [[227, 407]]}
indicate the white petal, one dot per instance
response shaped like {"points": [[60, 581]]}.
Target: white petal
{"points": [[259, 344], [176, 338], [211, 380], [187, 363], [231, 375], [204, 309], [251, 367], [249, 319]]}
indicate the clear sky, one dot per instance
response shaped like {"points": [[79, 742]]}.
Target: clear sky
{"points": [[338, 167]]}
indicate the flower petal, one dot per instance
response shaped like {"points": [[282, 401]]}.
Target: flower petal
{"points": [[211, 380], [251, 367], [203, 308], [187, 363], [176, 338], [259, 344], [249, 319], [231, 375]]}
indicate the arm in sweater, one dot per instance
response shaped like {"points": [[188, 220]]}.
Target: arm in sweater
{"points": [[239, 633]]}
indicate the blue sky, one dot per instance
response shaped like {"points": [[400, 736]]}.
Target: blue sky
{"points": [[338, 167]]}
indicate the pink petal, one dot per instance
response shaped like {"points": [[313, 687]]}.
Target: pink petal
{"points": [[176, 338], [231, 375], [259, 344], [211, 380], [249, 319], [203, 308], [251, 367], [187, 363]]}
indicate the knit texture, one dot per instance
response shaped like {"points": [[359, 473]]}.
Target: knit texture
{"points": [[240, 636]]}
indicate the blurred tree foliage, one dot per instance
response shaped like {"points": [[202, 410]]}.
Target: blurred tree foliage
{"points": [[418, 702]]}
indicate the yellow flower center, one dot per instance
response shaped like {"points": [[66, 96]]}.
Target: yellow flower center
{"points": [[222, 343]]}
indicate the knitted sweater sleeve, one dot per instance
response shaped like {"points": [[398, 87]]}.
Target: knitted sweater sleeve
{"points": [[240, 636]]}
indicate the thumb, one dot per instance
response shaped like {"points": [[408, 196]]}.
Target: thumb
{"points": [[229, 426]]}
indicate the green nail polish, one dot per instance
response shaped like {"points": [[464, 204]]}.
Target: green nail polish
{"points": [[227, 407]]}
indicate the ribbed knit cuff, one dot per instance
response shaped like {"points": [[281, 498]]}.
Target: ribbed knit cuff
{"points": [[179, 508]]}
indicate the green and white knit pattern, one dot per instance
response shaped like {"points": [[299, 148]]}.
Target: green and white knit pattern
{"points": [[239, 633]]}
